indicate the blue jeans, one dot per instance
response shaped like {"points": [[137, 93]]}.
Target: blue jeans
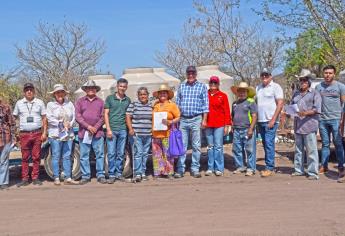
{"points": [[140, 150], [116, 153], [190, 126], [243, 147], [268, 140], [61, 149], [308, 142], [4, 164], [214, 137], [328, 127], [97, 145]]}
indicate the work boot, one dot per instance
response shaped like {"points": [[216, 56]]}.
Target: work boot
{"points": [[23, 183]]}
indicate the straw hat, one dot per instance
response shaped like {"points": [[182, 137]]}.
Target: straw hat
{"points": [[90, 84], [164, 87], [59, 87], [305, 73], [244, 85]]}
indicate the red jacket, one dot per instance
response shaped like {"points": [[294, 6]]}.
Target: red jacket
{"points": [[219, 114]]}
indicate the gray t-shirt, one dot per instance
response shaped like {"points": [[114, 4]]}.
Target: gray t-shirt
{"points": [[331, 105], [242, 112]]}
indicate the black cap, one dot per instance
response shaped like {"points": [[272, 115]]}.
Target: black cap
{"points": [[191, 69], [265, 71], [28, 85]]}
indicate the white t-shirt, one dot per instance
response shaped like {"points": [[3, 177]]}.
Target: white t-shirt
{"points": [[266, 99]]}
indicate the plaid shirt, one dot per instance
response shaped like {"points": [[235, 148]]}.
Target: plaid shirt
{"points": [[192, 99], [7, 125]]}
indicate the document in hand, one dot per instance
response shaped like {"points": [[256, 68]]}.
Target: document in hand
{"points": [[158, 118], [87, 139], [291, 110]]}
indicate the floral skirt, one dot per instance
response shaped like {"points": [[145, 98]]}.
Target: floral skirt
{"points": [[163, 164]]}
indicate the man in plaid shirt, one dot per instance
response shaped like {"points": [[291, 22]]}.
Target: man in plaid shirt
{"points": [[192, 99]]}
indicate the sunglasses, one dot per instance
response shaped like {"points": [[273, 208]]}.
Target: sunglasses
{"points": [[213, 82]]}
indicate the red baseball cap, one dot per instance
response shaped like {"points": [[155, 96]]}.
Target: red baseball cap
{"points": [[214, 79]]}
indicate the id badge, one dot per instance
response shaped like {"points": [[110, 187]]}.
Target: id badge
{"points": [[29, 119]]}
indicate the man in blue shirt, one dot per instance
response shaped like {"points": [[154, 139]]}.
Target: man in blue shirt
{"points": [[192, 100]]}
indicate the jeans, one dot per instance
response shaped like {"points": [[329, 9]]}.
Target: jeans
{"points": [[116, 153], [140, 150], [61, 149], [243, 147], [97, 145], [308, 142], [268, 140], [328, 127], [214, 137], [4, 164], [190, 126]]}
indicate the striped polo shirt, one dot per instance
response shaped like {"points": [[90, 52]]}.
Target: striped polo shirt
{"points": [[141, 117]]}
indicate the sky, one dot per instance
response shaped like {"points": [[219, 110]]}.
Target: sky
{"points": [[133, 30]]}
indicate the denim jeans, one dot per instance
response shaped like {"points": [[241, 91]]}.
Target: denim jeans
{"points": [[215, 154], [61, 149], [243, 147], [328, 127], [116, 152], [268, 141], [190, 126], [4, 164], [140, 150], [308, 142], [97, 145]]}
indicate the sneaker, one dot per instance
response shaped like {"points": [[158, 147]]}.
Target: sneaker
{"points": [[84, 181], [57, 182], [111, 180], [294, 174], [37, 182], [23, 183], [323, 170], [120, 178], [69, 181], [137, 178], [313, 177], [196, 174], [341, 176], [4, 187], [218, 173], [266, 173], [239, 171], [144, 178], [249, 172], [178, 176], [101, 180], [208, 173]]}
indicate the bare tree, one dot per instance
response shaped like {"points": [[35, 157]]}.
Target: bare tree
{"points": [[59, 54]]}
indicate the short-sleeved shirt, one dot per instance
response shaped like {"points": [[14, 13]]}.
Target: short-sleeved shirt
{"points": [[34, 109], [266, 100], [242, 111], [311, 100], [117, 111], [141, 117], [173, 112], [331, 105]]}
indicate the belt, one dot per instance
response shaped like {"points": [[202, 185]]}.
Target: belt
{"points": [[190, 117], [31, 131]]}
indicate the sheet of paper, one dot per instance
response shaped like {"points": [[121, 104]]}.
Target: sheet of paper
{"points": [[292, 110], [87, 137], [158, 117]]}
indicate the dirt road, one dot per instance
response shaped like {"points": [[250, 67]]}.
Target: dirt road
{"points": [[229, 205]]}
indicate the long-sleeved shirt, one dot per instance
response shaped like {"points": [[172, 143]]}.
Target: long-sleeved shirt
{"points": [[7, 125], [219, 114], [90, 113], [59, 113], [192, 99]]}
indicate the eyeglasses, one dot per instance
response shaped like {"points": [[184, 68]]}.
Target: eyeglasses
{"points": [[29, 89]]}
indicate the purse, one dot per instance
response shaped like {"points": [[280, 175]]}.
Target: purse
{"points": [[176, 147]]}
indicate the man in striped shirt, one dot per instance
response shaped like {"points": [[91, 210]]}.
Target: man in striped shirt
{"points": [[139, 123], [192, 100]]}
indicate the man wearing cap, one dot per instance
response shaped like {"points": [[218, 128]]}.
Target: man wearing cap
{"points": [[192, 100], [270, 100], [306, 125], [89, 115], [333, 96], [31, 112]]}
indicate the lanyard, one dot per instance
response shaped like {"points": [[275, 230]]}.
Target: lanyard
{"points": [[29, 110]]}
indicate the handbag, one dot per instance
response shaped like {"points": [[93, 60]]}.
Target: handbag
{"points": [[176, 147]]}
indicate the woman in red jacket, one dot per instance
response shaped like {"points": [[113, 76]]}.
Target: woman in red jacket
{"points": [[218, 123]]}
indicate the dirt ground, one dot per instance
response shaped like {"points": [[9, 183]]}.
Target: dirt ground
{"points": [[229, 205]]}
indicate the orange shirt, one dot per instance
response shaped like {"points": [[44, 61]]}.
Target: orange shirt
{"points": [[173, 112]]}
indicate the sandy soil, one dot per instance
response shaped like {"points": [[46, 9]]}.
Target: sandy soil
{"points": [[229, 205]]}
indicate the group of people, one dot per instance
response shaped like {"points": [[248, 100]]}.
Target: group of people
{"points": [[195, 108]]}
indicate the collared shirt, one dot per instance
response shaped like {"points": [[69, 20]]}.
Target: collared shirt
{"points": [[117, 111], [267, 100], [310, 100], [219, 114], [141, 115], [7, 125], [192, 99], [242, 112], [57, 114], [90, 113], [31, 111]]}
